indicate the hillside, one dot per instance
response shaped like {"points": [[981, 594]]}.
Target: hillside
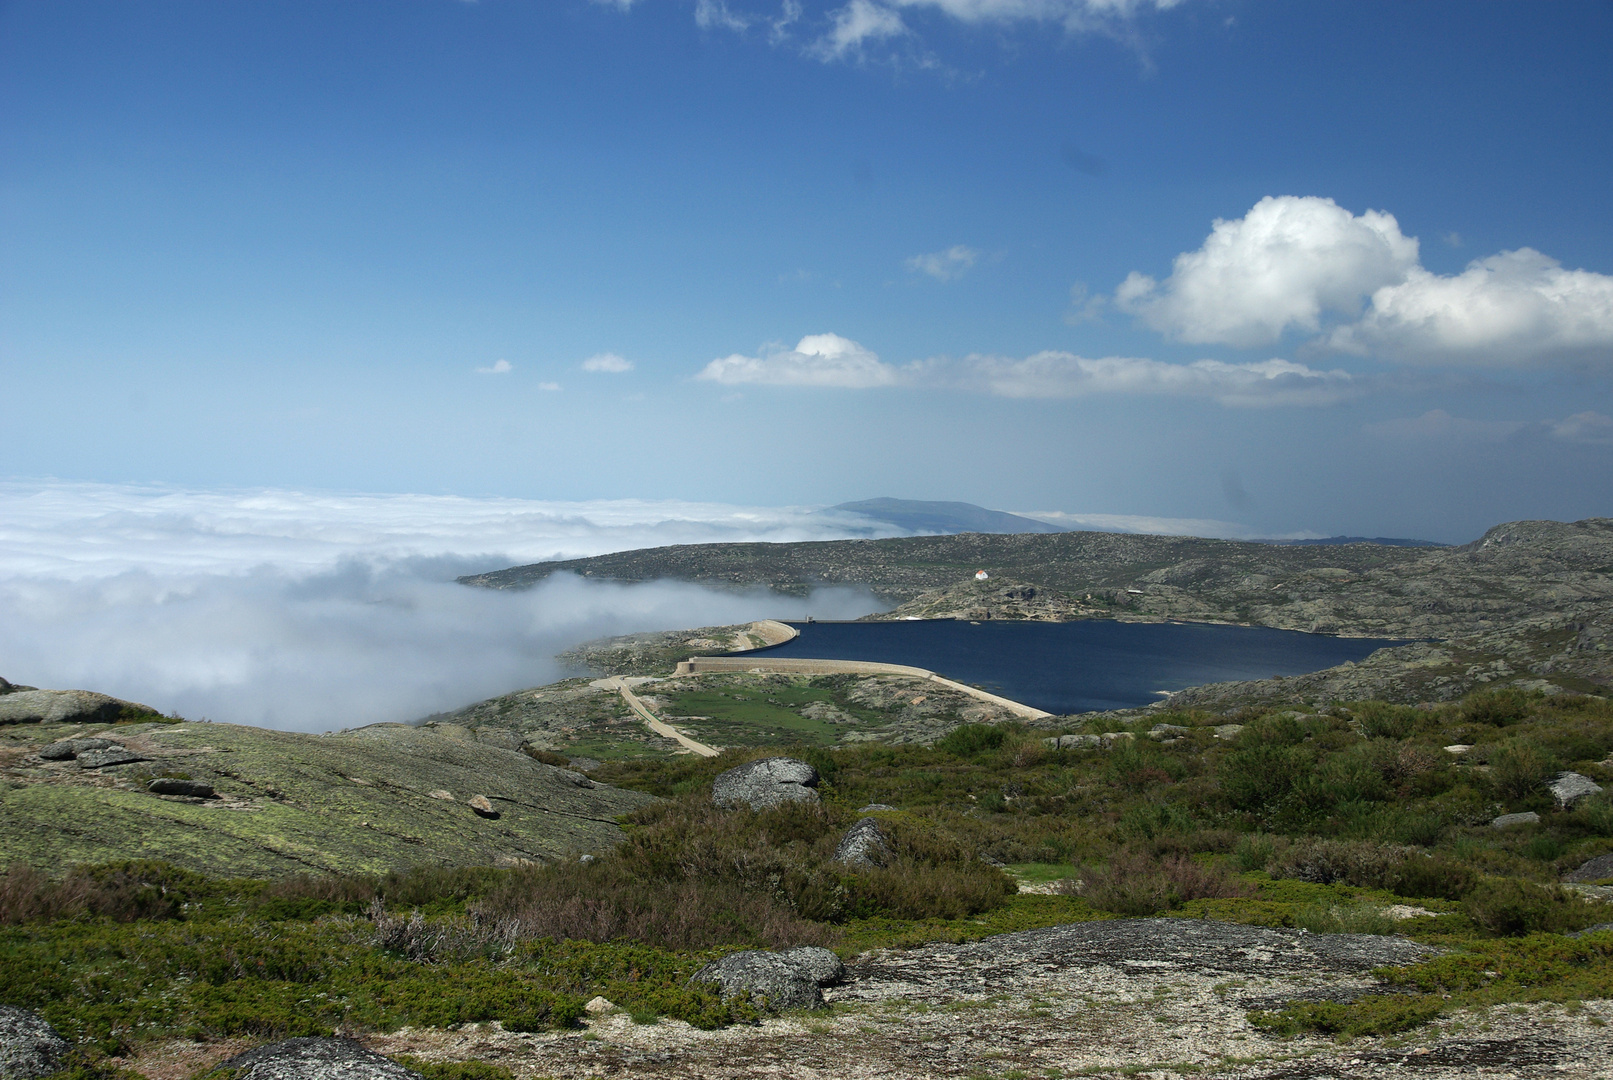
{"points": [[366, 801]]}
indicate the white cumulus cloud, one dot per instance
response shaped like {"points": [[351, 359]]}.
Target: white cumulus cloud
{"points": [[822, 360], [608, 363], [1279, 267], [500, 367], [946, 265], [1517, 308], [1355, 282]]}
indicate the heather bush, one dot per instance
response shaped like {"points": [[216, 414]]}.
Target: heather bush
{"points": [[1137, 883]]}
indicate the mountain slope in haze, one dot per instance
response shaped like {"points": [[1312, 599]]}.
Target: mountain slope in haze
{"points": [[943, 517]]}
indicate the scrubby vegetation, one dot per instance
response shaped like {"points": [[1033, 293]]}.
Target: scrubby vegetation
{"points": [[1316, 820]]}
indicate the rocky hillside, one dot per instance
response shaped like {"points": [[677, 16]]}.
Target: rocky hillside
{"points": [[1524, 569], [242, 801]]}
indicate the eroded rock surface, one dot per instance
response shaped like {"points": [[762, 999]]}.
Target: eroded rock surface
{"points": [[1165, 998], [768, 980], [29, 1047], [766, 782], [65, 707], [864, 844], [316, 1059]]}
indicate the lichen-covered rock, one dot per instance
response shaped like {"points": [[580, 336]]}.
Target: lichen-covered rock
{"points": [[820, 965], [767, 980], [1507, 821], [29, 1047], [765, 783], [316, 1059], [864, 844], [1570, 787], [112, 755], [1161, 732], [1074, 742], [63, 707], [1593, 870], [68, 749], [167, 785]]}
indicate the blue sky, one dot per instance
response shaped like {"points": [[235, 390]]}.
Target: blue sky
{"points": [[1067, 256]]}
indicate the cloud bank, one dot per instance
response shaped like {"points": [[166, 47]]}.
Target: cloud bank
{"points": [[319, 611], [829, 361], [1355, 282]]}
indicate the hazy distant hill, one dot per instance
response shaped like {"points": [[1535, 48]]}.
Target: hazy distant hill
{"points": [[944, 517], [1385, 541]]}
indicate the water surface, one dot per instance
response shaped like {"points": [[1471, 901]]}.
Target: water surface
{"points": [[1073, 667]]}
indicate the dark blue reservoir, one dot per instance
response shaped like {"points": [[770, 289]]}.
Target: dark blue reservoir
{"points": [[1074, 667]]}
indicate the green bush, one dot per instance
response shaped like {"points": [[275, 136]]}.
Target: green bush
{"points": [[1255, 851], [1380, 720], [1260, 776], [1518, 769], [971, 740], [1508, 907], [1498, 708], [1376, 1014]]}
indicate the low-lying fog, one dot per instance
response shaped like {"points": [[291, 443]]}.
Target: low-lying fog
{"points": [[313, 612]]}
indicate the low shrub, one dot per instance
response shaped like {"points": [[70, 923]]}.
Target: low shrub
{"points": [[1255, 851], [1362, 863], [1376, 1014], [1518, 769], [971, 740], [1498, 708], [1508, 907], [1137, 883], [1381, 720], [1359, 918]]}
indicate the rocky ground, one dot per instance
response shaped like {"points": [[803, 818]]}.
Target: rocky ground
{"points": [[1119, 998]]}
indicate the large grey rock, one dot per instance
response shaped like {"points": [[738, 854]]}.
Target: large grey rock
{"points": [[112, 755], [316, 1059], [767, 980], [820, 965], [1570, 787], [1507, 821], [1161, 732], [766, 782], [29, 1047], [864, 844], [62, 707], [68, 749], [1074, 742], [1593, 870]]}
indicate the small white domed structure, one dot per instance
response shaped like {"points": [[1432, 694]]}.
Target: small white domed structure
{"points": [[981, 575]]}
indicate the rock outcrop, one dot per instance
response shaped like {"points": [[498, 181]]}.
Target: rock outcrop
{"points": [[315, 1059], [766, 782], [775, 980], [29, 1047], [66, 707], [1570, 787], [864, 844]]}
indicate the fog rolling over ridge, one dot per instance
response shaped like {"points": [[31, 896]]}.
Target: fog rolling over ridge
{"points": [[313, 612]]}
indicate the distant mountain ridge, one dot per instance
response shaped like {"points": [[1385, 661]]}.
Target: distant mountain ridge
{"points": [[1382, 541], [943, 517]]}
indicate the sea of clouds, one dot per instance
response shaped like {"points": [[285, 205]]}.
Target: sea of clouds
{"points": [[318, 611]]}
